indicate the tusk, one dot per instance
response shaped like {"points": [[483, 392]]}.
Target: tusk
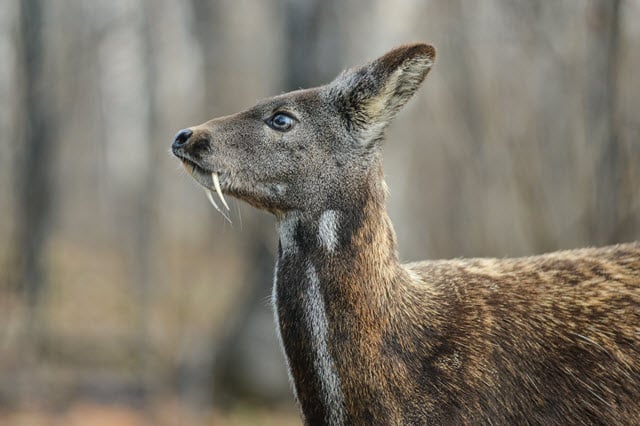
{"points": [[213, 202], [216, 184]]}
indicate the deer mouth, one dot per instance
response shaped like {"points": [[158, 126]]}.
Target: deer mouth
{"points": [[194, 169], [210, 180]]}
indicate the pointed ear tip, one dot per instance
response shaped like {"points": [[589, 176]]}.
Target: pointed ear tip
{"points": [[423, 52], [421, 49]]}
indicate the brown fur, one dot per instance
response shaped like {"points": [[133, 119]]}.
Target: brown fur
{"points": [[551, 339], [543, 340]]}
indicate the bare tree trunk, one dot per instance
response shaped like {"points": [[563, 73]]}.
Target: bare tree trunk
{"points": [[461, 81], [209, 32], [35, 152], [33, 185], [604, 30], [315, 47], [144, 278]]}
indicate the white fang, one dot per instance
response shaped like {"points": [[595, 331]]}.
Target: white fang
{"points": [[213, 202], [328, 230], [216, 185], [316, 317]]}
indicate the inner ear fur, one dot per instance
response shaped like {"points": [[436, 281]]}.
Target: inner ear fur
{"points": [[371, 95]]}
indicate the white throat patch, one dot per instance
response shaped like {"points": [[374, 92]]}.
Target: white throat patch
{"points": [[316, 318], [276, 317], [328, 230]]}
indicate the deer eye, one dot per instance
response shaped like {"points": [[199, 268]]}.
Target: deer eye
{"points": [[281, 122]]}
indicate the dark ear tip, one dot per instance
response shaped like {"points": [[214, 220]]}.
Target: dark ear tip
{"points": [[407, 52], [420, 49]]}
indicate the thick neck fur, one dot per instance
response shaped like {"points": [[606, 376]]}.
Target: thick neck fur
{"points": [[351, 231], [335, 275], [476, 341]]}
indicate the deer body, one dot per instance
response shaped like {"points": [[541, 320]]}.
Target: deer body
{"points": [[552, 339]]}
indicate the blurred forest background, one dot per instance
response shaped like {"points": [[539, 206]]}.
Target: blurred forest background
{"points": [[126, 300]]}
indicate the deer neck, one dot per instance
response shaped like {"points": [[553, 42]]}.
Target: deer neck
{"points": [[335, 273], [350, 243]]}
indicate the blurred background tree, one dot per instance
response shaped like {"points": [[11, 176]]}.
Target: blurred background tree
{"points": [[124, 298]]}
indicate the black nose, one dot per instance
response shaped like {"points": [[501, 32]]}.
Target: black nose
{"points": [[181, 138]]}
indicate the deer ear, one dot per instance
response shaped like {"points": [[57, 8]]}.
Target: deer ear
{"points": [[370, 96]]}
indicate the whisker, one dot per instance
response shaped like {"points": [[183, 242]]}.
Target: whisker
{"points": [[239, 213]]}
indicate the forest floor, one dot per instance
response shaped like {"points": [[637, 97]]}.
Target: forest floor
{"points": [[161, 413]]}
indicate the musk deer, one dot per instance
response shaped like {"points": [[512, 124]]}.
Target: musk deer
{"points": [[546, 340]]}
